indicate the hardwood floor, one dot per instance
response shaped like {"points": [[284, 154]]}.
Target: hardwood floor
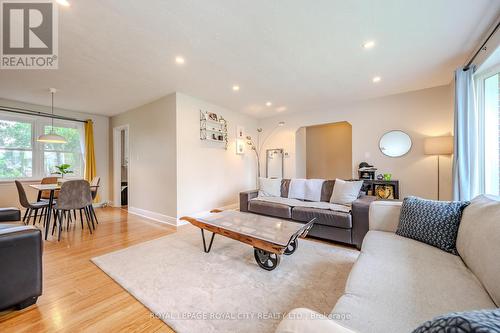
{"points": [[77, 295]]}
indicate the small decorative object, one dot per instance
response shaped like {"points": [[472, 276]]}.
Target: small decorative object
{"points": [[384, 191], [240, 146], [240, 132], [366, 171], [212, 116], [380, 176], [387, 176], [220, 138]]}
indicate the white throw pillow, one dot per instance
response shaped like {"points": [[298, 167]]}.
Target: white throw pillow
{"points": [[313, 189], [269, 187], [344, 193]]}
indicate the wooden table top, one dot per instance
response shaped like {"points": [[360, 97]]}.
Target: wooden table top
{"points": [[49, 187]]}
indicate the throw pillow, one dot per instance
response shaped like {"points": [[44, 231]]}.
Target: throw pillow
{"points": [[269, 187], [482, 321], [432, 222], [345, 192], [313, 189]]}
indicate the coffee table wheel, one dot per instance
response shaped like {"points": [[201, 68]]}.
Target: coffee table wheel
{"points": [[291, 247], [266, 260]]}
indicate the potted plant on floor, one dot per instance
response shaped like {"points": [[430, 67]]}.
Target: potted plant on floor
{"points": [[62, 170]]}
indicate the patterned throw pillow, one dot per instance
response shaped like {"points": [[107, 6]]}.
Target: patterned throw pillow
{"points": [[483, 321], [431, 222]]}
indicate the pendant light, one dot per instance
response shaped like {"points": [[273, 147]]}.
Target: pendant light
{"points": [[51, 137]]}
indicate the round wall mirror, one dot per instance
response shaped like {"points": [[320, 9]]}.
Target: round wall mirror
{"points": [[395, 143]]}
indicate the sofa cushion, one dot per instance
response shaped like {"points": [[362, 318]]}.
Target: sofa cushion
{"points": [[324, 217], [472, 321], [285, 187], [270, 208], [345, 192], [398, 283], [478, 242], [269, 187], [432, 222], [327, 190]]}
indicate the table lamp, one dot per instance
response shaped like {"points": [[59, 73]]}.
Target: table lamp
{"points": [[438, 145]]}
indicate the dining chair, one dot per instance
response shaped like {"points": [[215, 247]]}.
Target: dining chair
{"points": [[45, 195], [94, 187], [30, 206], [74, 195]]}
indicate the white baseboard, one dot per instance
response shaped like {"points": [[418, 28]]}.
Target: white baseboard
{"points": [[153, 216], [172, 220], [228, 207]]}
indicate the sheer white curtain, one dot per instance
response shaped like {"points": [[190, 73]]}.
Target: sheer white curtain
{"points": [[467, 153]]}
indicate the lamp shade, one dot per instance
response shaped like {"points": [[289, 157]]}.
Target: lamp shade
{"points": [[51, 138], [439, 145]]}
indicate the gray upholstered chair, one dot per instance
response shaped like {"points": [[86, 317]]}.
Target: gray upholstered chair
{"points": [[74, 195], [30, 206]]}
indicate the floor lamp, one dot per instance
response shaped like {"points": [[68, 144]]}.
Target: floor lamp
{"points": [[439, 145]]}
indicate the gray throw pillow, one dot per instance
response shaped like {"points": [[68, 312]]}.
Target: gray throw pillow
{"points": [[482, 321], [432, 222]]}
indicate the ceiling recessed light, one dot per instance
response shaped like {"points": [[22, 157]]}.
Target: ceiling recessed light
{"points": [[236, 87], [269, 103], [369, 44], [281, 109], [376, 79], [179, 60], [64, 3]]}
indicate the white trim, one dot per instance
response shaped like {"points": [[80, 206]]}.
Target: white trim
{"points": [[206, 212], [153, 216], [117, 163]]}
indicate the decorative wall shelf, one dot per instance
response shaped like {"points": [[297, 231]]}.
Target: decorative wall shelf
{"points": [[213, 128]]}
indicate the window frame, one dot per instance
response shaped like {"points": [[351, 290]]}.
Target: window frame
{"points": [[479, 84], [37, 148]]}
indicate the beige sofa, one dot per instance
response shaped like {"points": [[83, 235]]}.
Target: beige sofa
{"points": [[398, 283]]}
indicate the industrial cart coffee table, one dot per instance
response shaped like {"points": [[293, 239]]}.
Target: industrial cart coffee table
{"points": [[269, 236]]}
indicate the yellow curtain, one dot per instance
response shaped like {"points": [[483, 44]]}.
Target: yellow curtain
{"points": [[90, 169]]}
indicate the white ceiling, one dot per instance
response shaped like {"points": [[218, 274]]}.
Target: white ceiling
{"points": [[304, 55]]}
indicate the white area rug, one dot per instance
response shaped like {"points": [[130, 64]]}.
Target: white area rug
{"points": [[225, 290]]}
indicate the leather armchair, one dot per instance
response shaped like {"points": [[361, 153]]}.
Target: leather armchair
{"points": [[10, 214], [20, 265]]}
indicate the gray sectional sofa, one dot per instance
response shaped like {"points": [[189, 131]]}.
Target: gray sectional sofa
{"points": [[346, 227]]}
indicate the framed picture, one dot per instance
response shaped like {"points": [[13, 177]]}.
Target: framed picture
{"points": [[212, 116], [240, 132], [240, 146], [384, 191]]}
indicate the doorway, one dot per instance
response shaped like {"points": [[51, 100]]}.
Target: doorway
{"points": [[121, 166]]}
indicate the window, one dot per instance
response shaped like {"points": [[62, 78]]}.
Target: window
{"points": [[21, 156], [16, 149], [488, 97], [67, 153]]}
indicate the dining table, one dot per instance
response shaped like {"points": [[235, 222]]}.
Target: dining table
{"points": [[52, 188]]}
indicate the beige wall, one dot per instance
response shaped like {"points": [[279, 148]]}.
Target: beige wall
{"points": [[152, 158], [172, 172], [422, 113], [8, 191], [329, 151], [209, 176]]}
